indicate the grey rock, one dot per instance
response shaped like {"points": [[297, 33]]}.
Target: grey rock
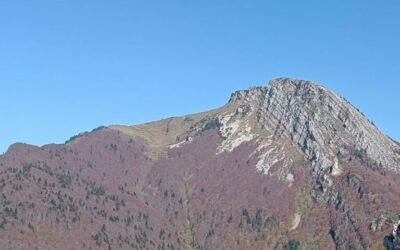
{"points": [[321, 124], [377, 224]]}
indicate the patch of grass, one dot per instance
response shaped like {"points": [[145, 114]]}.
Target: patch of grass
{"points": [[310, 242], [303, 201]]}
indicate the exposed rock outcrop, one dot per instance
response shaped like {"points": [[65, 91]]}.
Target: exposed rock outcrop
{"points": [[323, 126]]}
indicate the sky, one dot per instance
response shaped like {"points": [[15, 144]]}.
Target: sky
{"points": [[71, 66]]}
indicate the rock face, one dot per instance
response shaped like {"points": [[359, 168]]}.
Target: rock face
{"points": [[322, 124], [290, 165]]}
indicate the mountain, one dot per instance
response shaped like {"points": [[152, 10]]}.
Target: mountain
{"points": [[288, 166]]}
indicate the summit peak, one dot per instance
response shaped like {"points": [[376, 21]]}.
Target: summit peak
{"points": [[293, 84], [285, 85]]}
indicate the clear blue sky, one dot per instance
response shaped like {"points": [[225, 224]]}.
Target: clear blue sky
{"points": [[70, 66]]}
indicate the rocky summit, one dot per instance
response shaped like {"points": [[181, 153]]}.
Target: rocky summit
{"points": [[291, 165]]}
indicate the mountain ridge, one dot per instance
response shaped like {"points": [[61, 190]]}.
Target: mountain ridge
{"points": [[283, 85], [232, 96]]}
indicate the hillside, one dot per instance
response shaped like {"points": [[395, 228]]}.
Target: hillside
{"points": [[291, 165]]}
